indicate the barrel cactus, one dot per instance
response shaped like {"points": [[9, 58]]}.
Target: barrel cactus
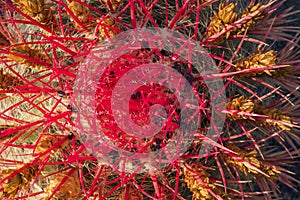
{"points": [[254, 47]]}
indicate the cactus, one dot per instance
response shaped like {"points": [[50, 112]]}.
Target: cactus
{"points": [[43, 154]]}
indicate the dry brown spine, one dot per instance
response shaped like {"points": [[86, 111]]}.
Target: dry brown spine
{"points": [[200, 191], [71, 187], [227, 16], [278, 119], [221, 19], [113, 5], [240, 104], [249, 24], [38, 10], [46, 142], [249, 158], [108, 27], [275, 118], [81, 12], [8, 82], [262, 60], [13, 184], [34, 53]]}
